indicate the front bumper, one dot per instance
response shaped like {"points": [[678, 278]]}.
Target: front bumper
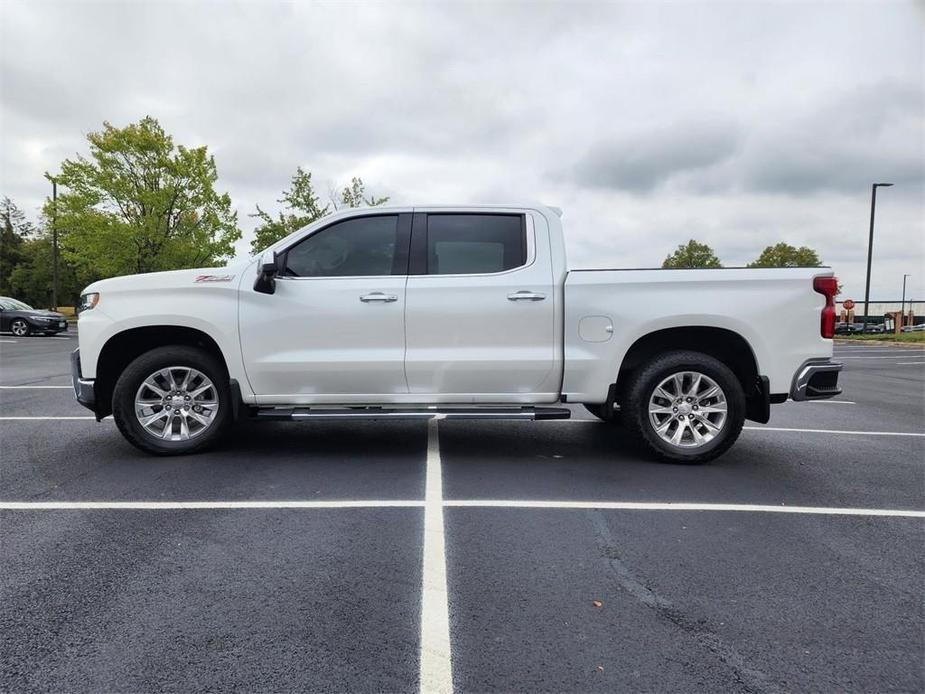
{"points": [[816, 379], [84, 389]]}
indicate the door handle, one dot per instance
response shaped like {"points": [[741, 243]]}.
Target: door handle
{"points": [[524, 295], [378, 296]]}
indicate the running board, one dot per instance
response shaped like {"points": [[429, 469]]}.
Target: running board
{"points": [[289, 413]]}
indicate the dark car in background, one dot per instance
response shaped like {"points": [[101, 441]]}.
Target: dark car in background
{"points": [[21, 319]]}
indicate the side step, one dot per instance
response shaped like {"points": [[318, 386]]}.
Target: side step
{"points": [[441, 412]]}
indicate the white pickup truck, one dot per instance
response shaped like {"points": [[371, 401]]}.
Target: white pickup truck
{"points": [[451, 312]]}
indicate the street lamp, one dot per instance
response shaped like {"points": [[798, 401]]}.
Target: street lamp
{"points": [[902, 306], [870, 245], [54, 239]]}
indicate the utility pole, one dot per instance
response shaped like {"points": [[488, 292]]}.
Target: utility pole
{"points": [[902, 306], [54, 243], [870, 245], [54, 239]]}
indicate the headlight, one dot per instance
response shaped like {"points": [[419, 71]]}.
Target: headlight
{"points": [[88, 301]]}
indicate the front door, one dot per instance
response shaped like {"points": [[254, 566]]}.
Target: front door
{"points": [[334, 329], [480, 320]]}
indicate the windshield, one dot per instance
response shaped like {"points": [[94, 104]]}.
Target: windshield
{"points": [[14, 305]]}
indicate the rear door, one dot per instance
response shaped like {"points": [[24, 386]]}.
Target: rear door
{"points": [[479, 319]]}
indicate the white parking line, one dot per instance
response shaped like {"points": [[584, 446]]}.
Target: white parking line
{"points": [[201, 505], [36, 387], [909, 363], [12, 342], [14, 419], [895, 356], [439, 609], [819, 402], [837, 431], [670, 506], [879, 351], [436, 673]]}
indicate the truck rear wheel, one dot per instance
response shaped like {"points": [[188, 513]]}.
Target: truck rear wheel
{"points": [[686, 407], [172, 401]]}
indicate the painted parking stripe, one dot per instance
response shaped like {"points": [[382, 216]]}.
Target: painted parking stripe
{"points": [[36, 387], [819, 402], [35, 419], [201, 505], [453, 503], [562, 421], [436, 673], [837, 431], [909, 363], [781, 429], [895, 356], [671, 506]]}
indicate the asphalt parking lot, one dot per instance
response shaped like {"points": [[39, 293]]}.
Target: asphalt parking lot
{"points": [[474, 556]]}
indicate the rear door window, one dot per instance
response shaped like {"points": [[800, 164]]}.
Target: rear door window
{"points": [[470, 244]]}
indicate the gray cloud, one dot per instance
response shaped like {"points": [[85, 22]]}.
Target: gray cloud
{"points": [[640, 162], [741, 124]]}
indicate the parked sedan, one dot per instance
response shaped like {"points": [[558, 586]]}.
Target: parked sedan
{"points": [[21, 319]]}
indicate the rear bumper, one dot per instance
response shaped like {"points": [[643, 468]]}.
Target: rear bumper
{"points": [[84, 389], [816, 379]]}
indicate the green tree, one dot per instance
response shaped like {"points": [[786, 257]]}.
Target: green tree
{"points": [[302, 206], [692, 255], [785, 255], [354, 195], [31, 280], [140, 203], [14, 231]]}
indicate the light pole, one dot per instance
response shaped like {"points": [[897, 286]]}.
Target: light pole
{"points": [[902, 306], [54, 240], [870, 245]]}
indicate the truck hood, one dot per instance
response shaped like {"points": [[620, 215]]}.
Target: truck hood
{"points": [[171, 279]]}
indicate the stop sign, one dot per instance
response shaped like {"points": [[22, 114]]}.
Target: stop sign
{"points": [[848, 304]]}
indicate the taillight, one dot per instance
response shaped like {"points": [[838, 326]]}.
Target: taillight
{"points": [[827, 286]]}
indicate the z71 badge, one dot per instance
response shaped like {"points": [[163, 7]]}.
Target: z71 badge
{"points": [[214, 278]]}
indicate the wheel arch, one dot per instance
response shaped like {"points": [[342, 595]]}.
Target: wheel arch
{"points": [[125, 346], [722, 344]]}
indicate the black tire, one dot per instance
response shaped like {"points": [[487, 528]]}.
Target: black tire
{"points": [[647, 378], [25, 326], [123, 399], [604, 413]]}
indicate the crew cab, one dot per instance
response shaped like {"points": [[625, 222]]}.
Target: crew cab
{"points": [[466, 311]]}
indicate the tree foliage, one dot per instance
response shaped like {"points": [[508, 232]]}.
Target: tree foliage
{"points": [[785, 255], [31, 280], [354, 195], [26, 263], [14, 231], [302, 206], [140, 203], [692, 255]]}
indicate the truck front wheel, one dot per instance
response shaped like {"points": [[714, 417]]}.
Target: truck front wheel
{"points": [[172, 401], [687, 407]]}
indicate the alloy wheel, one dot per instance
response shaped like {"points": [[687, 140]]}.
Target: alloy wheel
{"points": [[688, 409], [176, 403]]}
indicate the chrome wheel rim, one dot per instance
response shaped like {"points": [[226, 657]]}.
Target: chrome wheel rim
{"points": [[176, 403], [18, 328], [688, 409]]}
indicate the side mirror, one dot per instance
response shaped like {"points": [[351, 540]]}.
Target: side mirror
{"points": [[266, 277]]}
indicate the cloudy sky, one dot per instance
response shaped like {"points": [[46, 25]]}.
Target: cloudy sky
{"points": [[738, 124]]}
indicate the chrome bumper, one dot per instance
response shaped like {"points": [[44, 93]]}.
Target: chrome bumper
{"points": [[816, 379]]}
